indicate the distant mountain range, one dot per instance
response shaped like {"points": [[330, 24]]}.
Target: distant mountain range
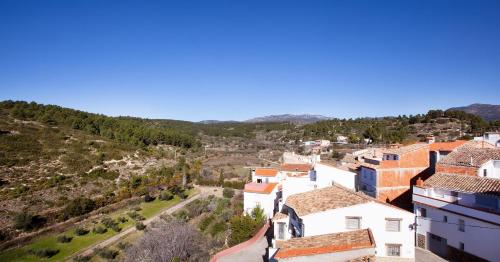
{"points": [[486, 111], [296, 119]]}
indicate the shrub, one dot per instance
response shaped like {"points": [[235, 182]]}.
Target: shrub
{"points": [[78, 207], [205, 222], [99, 230], [64, 239], [123, 245], [148, 198], [27, 221], [228, 192], [140, 226], [135, 216], [44, 252], [122, 219], [82, 258], [242, 228], [106, 253], [80, 231], [217, 228], [166, 195]]}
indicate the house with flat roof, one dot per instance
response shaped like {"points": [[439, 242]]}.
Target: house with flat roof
{"points": [[336, 209], [263, 195], [458, 216]]}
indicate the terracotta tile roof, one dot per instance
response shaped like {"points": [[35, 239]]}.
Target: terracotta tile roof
{"points": [[266, 172], [446, 146], [325, 199], [322, 244], [279, 216], [261, 188], [296, 167], [464, 183], [405, 149], [471, 154]]}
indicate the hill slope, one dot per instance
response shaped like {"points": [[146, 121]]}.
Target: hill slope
{"points": [[296, 119], [486, 111]]}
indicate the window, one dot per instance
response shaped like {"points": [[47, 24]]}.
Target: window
{"points": [[259, 180], [423, 212], [353, 222], [393, 224], [445, 219], [462, 246], [393, 250], [485, 172], [281, 230], [461, 225]]}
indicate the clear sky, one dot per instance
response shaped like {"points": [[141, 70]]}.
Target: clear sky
{"points": [[196, 60]]}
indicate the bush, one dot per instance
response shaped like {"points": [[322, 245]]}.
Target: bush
{"points": [[110, 223], [135, 216], [80, 231], [148, 198], [27, 221], [140, 226], [44, 252], [228, 192], [78, 206], [122, 220], [166, 195], [82, 258], [123, 245], [64, 239], [205, 222], [106, 253], [217, 228], [99, 230]]}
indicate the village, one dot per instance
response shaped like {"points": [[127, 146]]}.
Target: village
{"points": [[383, 203]]}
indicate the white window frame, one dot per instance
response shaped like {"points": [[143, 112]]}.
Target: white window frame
{"points": [[388, 220], [347, 224], [388, 249]]}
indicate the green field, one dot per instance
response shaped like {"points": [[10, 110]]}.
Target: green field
{"points": [[78, 243]]}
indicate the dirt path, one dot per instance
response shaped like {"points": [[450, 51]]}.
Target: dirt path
{"points": [[202, 192]]}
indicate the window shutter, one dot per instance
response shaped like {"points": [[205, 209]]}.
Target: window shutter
{"points": [[353, 222], [393, 225]]}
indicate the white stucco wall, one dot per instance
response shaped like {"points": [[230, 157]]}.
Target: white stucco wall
{"points": [[265, 201], [295, 185], [266, 179], [373, 215], [325, 174], [482, 240], [492, 168]]}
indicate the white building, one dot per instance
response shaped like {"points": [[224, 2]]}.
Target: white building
{"points": [[328, 174], [263, 195], [458, 215], [490, 137], [292, 158], [266, 175], [336, 209]]}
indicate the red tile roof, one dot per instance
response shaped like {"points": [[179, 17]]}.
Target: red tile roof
{"points": [[296, 167], [471, 154], [266, 172], [446, 146], [261, 188], [322, 244], [464, 183], [405, 149]]}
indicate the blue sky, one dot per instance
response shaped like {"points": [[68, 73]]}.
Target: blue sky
{"points": [[196, 60]]}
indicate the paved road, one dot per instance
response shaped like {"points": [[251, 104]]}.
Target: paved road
{"points": [[202, 192], [253, 253], [422, 255]]}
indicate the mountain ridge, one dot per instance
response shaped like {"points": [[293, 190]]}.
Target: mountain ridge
{"points": [[488, 112], [293, 118]]}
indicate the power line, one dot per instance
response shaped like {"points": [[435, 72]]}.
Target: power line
{"points": [[465, 225]]}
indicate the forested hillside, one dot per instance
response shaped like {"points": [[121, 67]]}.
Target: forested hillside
{"points": [[450, 124]]}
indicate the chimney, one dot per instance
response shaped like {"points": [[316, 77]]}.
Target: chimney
{"points": [[471, 161]]}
